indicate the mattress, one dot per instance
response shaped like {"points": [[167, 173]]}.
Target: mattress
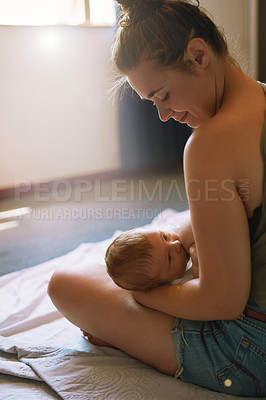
{"points": [[43, 356]]}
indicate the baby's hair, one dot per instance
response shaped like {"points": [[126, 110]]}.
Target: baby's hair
{"points": [[159, 31], [128, 259]]}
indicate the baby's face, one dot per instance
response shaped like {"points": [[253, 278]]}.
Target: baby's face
{"points": [[169, 257]]}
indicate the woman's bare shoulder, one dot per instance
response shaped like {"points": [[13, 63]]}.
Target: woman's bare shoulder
{"points": [[212, 142], [229, 136]]}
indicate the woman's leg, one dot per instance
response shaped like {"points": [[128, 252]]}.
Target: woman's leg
{"points": [[94, 340], [89, 299]]}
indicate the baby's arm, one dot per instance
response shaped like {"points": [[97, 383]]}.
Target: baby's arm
{"points": [[194, 259]]}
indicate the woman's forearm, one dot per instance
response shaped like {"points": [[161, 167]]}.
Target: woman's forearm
{"points": [[177, 300], [187, 300]]}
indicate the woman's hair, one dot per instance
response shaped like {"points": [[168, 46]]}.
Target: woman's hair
{"points": [[159, 31], [128, 260]]}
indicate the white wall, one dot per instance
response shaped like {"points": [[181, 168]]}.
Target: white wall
{"points": [[238, 20], [55, 117]]}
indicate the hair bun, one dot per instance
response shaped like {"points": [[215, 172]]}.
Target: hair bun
{"points": [[125, 4], [132, 5]]}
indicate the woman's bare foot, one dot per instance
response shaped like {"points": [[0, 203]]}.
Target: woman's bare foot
{"points": [[94, 340]]}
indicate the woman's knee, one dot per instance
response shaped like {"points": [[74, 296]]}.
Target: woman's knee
{"points": [[58, 286], [67, 286]]}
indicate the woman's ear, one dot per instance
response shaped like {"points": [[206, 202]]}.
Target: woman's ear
{"points": [[198, 53]]}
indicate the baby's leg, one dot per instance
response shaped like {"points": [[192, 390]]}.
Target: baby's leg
{"points": [[88, 297]]}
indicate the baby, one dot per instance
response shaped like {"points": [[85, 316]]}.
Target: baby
{"points": [[142, 259]]}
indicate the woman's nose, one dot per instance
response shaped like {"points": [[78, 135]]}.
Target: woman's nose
{"points": [[164, 113]]}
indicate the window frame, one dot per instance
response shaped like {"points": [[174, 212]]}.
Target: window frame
{"points": [[86, 24]]}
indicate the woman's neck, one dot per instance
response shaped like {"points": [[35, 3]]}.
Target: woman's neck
{"points": [[232, 79]]}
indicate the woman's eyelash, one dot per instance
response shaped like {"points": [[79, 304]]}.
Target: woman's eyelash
{"points": [[166, 97], [169, 258], [164, 236]]}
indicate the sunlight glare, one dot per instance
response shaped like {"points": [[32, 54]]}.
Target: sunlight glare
{"points": [[102, 12], [17, 212], [50, 39], [9, 225], [42, 12]]}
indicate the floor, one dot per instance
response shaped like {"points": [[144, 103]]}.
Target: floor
{"points": [[55, 220]]}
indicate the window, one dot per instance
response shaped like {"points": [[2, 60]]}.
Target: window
{"points": [[102, 12], [54, 12]]}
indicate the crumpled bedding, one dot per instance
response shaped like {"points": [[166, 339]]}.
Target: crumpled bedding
{"points": [[43, 356]]}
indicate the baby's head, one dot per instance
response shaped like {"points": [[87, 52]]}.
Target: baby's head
{"points": [[128, 260], [142, 259]]}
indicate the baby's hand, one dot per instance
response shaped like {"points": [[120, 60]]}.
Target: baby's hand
{"points": [[194, 259]]}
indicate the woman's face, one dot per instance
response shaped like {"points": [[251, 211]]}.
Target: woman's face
{"points": [[186, 97]]}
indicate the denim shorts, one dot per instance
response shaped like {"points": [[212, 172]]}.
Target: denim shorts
{"points": [[224, 356]]}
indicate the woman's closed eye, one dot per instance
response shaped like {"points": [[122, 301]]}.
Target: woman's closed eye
{"points": [[166, 97], [170, 258], [165, 237]]}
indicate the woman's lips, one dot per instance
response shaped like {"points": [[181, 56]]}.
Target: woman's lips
{"points": [[182, 120]]}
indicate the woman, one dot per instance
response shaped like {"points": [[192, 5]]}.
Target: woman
{"points": [[209, 331]]}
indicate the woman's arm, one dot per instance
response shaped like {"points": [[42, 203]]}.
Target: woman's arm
{"points": [[221, 235]]}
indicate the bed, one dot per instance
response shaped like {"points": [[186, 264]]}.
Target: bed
{"points": [[43, 356]]}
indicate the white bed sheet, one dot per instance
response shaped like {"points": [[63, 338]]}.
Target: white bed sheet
{"points": [[43, 356]]}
